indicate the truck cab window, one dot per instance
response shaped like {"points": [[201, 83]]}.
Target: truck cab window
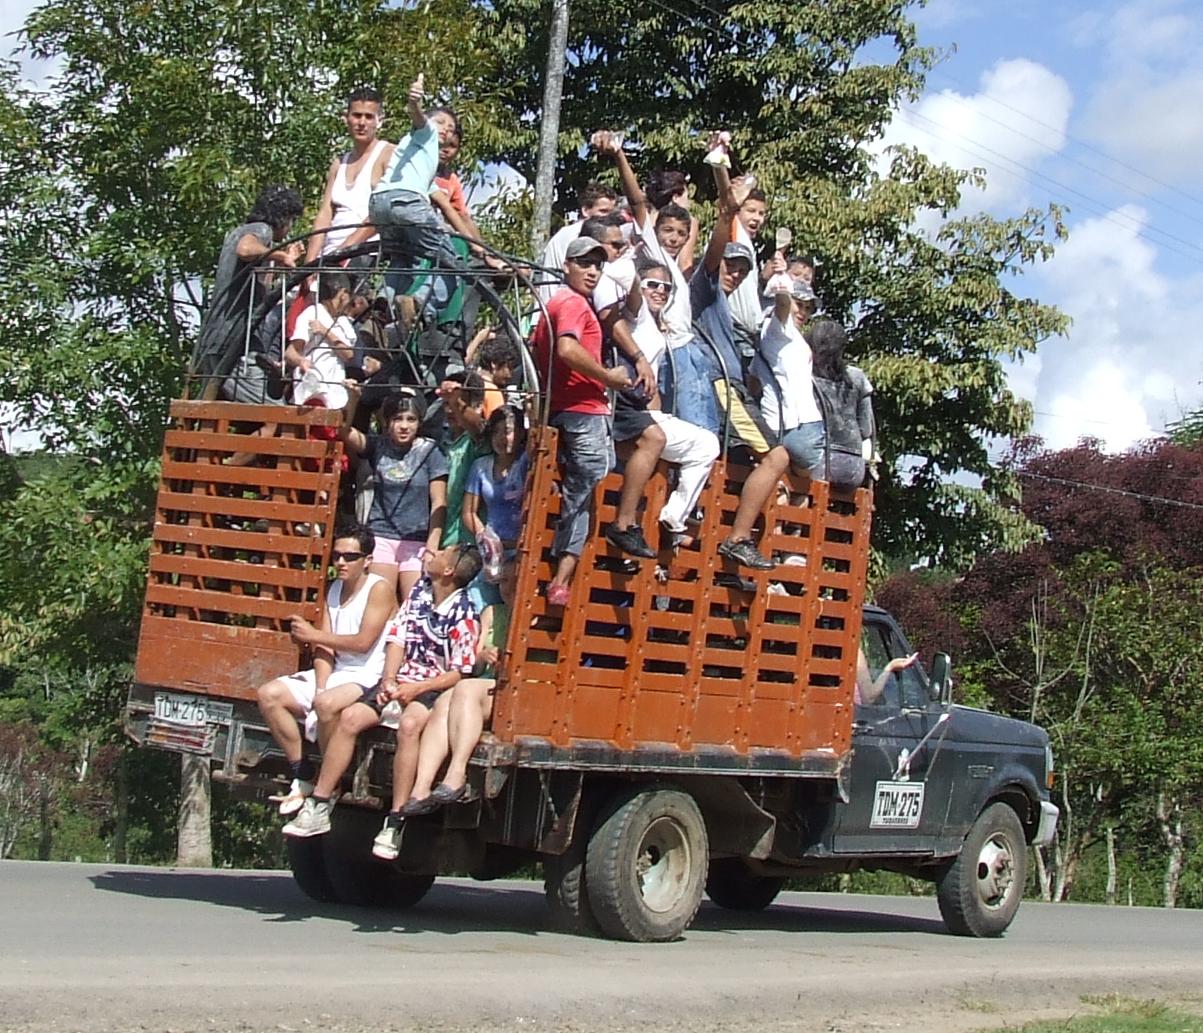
{"points": [[900, 688]]}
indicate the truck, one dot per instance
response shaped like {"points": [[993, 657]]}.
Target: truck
{"points": [[681, 728]]}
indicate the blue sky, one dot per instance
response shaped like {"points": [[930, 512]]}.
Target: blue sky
{"points": [[1099, 107]]}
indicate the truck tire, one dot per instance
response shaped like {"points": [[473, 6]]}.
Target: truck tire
{"points": [[646, 865], [730, 885], [567, 896], [357, 877], [981, 890], [308, 863]]}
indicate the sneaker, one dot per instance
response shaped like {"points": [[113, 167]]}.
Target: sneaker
{"points": [[630, 541], [386, 842], [314, 819], [743, 551], [298, 792]]}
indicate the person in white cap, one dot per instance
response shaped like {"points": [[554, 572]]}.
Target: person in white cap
{"points": [[568, 355], [783, 367]]}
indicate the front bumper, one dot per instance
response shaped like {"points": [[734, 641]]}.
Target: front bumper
{"points": [[1047, 829]]}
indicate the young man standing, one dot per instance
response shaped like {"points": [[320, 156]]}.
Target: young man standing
{"points": [[348, 657], [725, 266], [595, 201], [344, 204], [568, 349], [633, 425]]}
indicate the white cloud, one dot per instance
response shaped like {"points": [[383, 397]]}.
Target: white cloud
{"points": [[1017, 118], [1133, 358], [13, 14], [1146, 112]]}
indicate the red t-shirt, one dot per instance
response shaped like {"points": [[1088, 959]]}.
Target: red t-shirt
{"points": [[454, 189], [572, 316]]}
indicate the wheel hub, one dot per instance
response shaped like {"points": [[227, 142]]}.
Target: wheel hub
{"points": [[662, 865], [995, 872]]}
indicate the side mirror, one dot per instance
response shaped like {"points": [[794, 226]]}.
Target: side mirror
{"points": [[941, 678]]}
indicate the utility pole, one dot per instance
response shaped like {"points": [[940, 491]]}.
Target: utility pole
{"points": [[549, 131]]}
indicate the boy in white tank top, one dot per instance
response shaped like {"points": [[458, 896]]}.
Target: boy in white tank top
{"points": [[348, 183], [348, 657]]}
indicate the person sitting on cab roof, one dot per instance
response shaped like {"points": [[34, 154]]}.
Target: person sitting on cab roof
{"points": [[348, 656]]}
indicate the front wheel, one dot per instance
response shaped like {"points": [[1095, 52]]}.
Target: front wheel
{"points": [[981, 891], [646, 865]]}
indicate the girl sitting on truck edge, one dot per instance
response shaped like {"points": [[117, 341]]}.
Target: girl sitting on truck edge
{"points": [[460, 716], [409, 506]]}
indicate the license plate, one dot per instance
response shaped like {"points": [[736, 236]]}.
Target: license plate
{"points": [[189, 711], [897, 805]]}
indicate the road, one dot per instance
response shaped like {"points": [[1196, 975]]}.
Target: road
{"points": [[91, 947]]}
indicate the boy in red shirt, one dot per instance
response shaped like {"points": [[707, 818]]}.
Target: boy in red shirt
{"points": [[570, 367]]}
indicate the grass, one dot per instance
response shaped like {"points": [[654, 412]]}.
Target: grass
{"points": [[1119, 1014]]}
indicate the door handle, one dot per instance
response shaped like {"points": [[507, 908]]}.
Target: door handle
{"points": [[861, 726]]}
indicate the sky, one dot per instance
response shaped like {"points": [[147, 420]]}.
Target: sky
{"points": [[1094, 106]]}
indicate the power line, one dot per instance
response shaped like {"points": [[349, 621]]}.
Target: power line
{"points": [[1081, 143], [1098, 207], [1107, 490], [956, 97]]}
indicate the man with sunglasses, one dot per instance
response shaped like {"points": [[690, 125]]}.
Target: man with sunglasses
{"points": [[568, 353], [348, 656]]}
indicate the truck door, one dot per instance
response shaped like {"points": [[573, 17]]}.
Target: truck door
{"points": [[889, 812]]}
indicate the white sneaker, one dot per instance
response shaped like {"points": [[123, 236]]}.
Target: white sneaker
{"points": [[385, 846], [314, 819], [297, 794]]}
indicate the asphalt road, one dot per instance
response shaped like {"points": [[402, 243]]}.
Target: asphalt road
{"points": [[89, 947]]}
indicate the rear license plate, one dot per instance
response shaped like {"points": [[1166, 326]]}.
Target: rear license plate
{"points": [[189, 711], [897, 805]]}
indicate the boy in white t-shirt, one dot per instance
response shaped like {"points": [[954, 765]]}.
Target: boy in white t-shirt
{"points": [[783, 366], [322, 344]]}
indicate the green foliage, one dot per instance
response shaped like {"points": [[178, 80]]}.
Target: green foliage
{"points": [[119, 180], [933, 314]]}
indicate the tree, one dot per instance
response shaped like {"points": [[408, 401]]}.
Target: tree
{"points": [[932, 314], [1095, 632]]}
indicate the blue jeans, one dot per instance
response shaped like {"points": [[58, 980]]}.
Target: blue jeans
{"points": [[408, 224], [805, 444], [586, 456]]}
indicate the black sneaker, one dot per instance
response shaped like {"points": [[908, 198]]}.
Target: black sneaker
{"points": [[743, 551], [630, 541]]}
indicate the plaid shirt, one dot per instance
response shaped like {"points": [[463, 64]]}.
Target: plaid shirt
{"points": [[436, 639]]}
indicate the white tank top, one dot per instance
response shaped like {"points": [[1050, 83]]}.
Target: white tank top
{"points": [[347, 620], [350, 203]]}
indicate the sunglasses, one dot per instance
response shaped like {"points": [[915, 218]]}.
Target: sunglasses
{"points": [[350, 557], [656, 285], [588, 262], [617, 245]]}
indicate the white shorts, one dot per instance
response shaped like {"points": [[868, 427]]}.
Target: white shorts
{"points": [[303, 686]]}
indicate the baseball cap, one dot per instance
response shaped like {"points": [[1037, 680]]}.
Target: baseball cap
{"points": [[585, 246], [736, 250], [800, 290]]}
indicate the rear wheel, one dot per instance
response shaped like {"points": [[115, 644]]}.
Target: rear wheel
{"points": [[730, 885], [359, 878], [646, 865], [981, 891], [308, 863], [565, 890]]}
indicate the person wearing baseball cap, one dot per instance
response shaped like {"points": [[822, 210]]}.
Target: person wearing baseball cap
{"points": [[568, 353], [783, 366], [719, 360]]}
